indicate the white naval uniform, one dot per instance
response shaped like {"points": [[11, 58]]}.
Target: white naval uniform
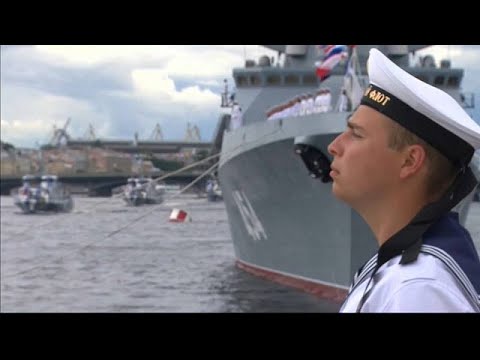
{"points": [[431, 265], [400, 288]]}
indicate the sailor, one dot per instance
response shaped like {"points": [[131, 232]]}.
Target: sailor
{"points": [[343, 101], [309, 106], [25, 188], [403, 164], [318, 103], [45, 183], [296, 106], [130, 185], [303, 104], [327, 99], [209, 187], [281, 111], [291, 107], [236, 116]]}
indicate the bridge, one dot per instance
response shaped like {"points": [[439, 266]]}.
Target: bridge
{"points": [[141, 146], [101, 184]]}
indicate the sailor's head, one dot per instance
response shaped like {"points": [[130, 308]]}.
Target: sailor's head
{"points": [[407, 133], [426, 111]]}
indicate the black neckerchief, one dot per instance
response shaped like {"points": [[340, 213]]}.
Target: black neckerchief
{"points": [[408, 240]]}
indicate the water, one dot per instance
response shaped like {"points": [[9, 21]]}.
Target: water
{"points": [[67, 262]]}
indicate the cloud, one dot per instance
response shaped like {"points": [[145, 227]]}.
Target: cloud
{"points": [[28, 115], [94, 55], [157, 86], [123, 89], [202, 63]]}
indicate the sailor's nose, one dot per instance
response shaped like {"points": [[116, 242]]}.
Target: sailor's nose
{"points": [[334, 147]]}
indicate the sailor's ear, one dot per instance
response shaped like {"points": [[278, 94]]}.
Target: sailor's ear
{"points": [[414, 159]]}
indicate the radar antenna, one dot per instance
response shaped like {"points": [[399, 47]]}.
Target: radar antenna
{"points": [[227, 98]]}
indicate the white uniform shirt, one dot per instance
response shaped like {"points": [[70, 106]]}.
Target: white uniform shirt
{"points": [[317, 104], [425, 285], [327, 101], [236, 117], [309, 106], [296, 109], [343, 103], [303, 107]]}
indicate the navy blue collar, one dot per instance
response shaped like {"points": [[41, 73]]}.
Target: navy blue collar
{"points": [[408, 240], [449, 235]]}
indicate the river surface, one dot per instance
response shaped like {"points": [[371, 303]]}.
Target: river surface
{"points": [[108, 257]]}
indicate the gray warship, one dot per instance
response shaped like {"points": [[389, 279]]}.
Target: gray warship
{"points": [[285, 224]]}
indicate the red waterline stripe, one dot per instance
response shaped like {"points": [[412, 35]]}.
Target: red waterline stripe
{"points": [[323, 291]]}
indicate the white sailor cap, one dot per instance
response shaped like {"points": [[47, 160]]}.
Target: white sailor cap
{"points": [[425, 110]]}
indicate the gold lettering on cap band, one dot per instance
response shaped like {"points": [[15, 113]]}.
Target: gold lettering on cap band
{"points": [[377, 96], [457, 150], [367, 91]]}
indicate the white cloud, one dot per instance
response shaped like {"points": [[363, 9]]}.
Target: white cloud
{"points": [[88, 55], [202, 63], [213, 83], [28, 115], [157, 87], [195, 96], [195, 61], [153, 83], [124, 88]]}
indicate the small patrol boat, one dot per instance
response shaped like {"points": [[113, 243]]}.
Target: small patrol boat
{"points": [[213, 190], [140, 191], [43, 193]]}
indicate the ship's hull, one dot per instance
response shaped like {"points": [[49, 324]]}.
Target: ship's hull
{"points": [[30, 205], [142, 197], [285, 225], [138, 201]]}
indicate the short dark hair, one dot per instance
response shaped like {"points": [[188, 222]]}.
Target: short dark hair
{"points": [[441, 171]]}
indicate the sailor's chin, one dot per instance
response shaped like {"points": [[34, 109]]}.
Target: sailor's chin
{"points": [[337, 190]]}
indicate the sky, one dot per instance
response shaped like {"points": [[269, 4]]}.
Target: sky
{"points": [[123, 89]]}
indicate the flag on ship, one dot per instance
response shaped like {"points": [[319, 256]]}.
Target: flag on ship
{"points": [[333, 54]]}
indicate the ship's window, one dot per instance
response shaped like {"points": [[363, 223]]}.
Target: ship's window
{"points": [[273, 80], [439, 80], [255, 80], [241, 81], [423, 78], [310, 79], [453, 81], [292, 79]]}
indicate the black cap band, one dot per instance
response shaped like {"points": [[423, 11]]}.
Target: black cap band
{"points": [[454, 148]]}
